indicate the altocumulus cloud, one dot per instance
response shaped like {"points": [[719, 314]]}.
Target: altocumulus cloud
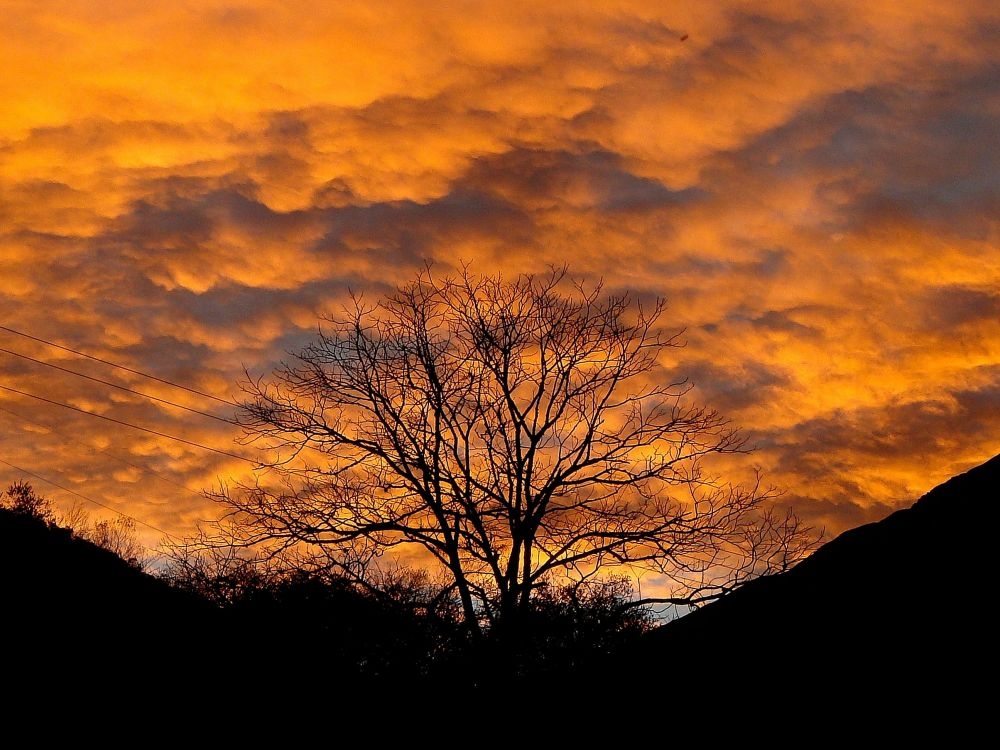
{"points": [[813, 187]]}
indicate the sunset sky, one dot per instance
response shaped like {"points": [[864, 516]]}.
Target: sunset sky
{"points": [[814, 187]]}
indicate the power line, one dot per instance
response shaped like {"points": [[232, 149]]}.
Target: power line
{"points": [[145, 469], [137, 427], [127, 424], [120, 367], [88, 499], [120, 387]]}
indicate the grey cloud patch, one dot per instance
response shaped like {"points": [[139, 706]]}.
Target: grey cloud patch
{"points": [[733, 388], [182, 220], [588, 178], [96, 135], [277, 167], [43, 203], [390, 122], [42, 191], [763, 263], [229, 309], [289, 128], [926, 148], [240, 207], [287, 151], [647, 32], [749, 43], [202, 234], [845, 511], [410, 231], [174, 222], [752, 30], [980, 408], [835, 130], [62, 267], [336, 193], [778, 321], [945, 308], [921, 431], [178, 222], [162, 188], [946, 159]]}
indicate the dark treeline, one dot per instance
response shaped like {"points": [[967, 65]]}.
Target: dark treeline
{"points": [[887, 628], [69, 589]]}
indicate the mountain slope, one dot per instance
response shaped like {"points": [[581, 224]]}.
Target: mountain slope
{"points": [[898, 612], [892, 621], [74, 614]]}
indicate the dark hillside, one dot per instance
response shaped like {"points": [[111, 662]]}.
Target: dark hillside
{"points": [[892, 620], [75, 614]]}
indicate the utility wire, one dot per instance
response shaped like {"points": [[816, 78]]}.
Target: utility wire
{"points": [[145, 469], [127, 424], [205, 447], [138, 393], [120, 367], [120, 387], [88, 499]]}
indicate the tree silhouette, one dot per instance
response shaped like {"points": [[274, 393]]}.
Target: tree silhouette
{"points": [[521, 433], [21, 498], [117, 536], [308, 620]]}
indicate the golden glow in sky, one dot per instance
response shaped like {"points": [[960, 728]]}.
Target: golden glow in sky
{"points": [[814, 188]]}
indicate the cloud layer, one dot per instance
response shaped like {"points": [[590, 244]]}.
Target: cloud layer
{"points": [[814, 188]]}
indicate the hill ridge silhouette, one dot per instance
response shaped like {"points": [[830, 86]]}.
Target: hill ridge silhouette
{"points": [[893, 616]]}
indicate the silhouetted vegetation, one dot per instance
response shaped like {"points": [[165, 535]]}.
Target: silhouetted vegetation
{"points": [[407, 628], [522, 436], [65, 596], [282, 616], [872, 630], [117, 535], [21, 499]]}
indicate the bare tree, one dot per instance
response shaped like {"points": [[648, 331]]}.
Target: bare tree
{"points": [[21, 498], [117, 536], [518, 433]]}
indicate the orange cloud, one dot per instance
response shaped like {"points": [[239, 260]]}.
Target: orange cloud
{"points": [[184, 189]]}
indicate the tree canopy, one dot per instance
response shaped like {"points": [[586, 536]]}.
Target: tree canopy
{"points": [[518, 433]]}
